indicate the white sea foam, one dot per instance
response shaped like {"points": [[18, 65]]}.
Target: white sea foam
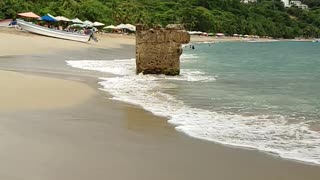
{"points": [[188, 56], [127, 67], [192, 75], [118, 66], [270, 134]]}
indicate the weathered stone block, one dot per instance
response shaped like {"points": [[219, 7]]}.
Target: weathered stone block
{"points": [[158, 49]]}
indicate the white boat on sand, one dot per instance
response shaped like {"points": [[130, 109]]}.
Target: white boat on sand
{"points": [[33, 28]]}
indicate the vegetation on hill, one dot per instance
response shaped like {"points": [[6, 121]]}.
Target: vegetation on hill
{"points": [[264, 18], [311, 3]]}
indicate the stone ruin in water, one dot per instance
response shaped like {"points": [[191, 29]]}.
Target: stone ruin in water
{"points": [[158, 49]]}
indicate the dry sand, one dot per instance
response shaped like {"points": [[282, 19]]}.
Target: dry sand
{"points": [[101, 138], [21, 92], [16, 42]]}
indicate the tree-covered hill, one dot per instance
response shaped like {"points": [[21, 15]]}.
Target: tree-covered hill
{"points": [[311, 3], [264, 18]]}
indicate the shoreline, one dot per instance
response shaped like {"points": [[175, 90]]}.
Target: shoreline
{"points": [[203, 39], [216, 142], [275, 155], [108, 136], [94, 84], [47, 45]]}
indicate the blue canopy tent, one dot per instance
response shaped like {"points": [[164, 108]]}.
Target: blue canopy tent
{"points": [[48, 18]]}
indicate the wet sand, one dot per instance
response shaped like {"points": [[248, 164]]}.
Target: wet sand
{"points": [[98, 138], [26, 92]]}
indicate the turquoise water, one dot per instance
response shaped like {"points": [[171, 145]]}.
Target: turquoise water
{"points": [[264, 96], [275, 78]]}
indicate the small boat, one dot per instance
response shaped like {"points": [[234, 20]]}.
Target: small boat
{"points": [[36, 29], [316, 40]]}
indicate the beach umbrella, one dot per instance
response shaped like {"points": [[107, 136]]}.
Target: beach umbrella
{"points": [[88, 23], [29, 15], [98, 24], [130, 27], [127, 26], [77, 25], [219, 34], [77, 21], [195, 32], [204, 34], [48, 18], [110, 27], [62, 18], [121, 26]]}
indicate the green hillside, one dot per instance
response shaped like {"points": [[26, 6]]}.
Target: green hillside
{"points": [[264, 18]]}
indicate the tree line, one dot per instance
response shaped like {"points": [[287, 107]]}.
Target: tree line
{"points": [[264, 18]]}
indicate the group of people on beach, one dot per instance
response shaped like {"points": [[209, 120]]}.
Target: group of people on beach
{"points": [[68, 28]]}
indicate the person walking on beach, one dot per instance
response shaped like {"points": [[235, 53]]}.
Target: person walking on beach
{"points": [[91, 33]]}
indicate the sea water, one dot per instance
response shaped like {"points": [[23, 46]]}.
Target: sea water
{"points": [[264, 96]]}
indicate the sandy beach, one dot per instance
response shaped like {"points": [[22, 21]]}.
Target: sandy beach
{"points": [[15, 42], [56, 124], [26, 92]]}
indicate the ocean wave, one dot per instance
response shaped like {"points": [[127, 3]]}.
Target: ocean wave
{"points": [[117, 66], [188, 56], [127, 67], [266, 133], [192, 76]]}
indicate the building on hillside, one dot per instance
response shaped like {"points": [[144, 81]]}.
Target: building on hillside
{"points": [[289, 3], [286, 3], [298, 4], [248, 1]]}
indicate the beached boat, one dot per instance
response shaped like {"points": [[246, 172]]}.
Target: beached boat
{"points": [[33, 28]]}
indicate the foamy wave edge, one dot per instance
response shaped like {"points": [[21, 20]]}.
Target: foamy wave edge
{"points": [[262, 134]]}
